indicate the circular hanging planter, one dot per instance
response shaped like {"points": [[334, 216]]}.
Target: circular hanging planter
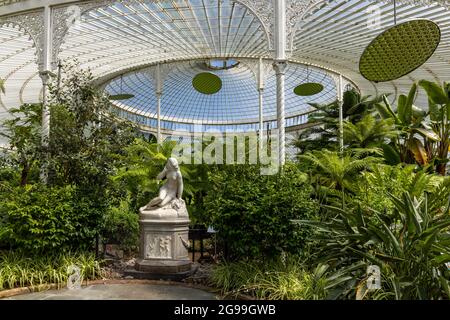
{"points": [[207, 83], [399, 50], [308, 89], [123, 96]]}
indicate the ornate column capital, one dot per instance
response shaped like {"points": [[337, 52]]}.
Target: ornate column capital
{"points": [[280, 67], [45, 76], [254, 66], [158, 74]]}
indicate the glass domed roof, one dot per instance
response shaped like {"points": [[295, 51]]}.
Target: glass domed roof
{"points": [[235, 103]]}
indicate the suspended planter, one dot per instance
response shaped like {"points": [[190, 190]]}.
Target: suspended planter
{"points": [[121, 96], [399, 50], [308, 88], [207, 83]]}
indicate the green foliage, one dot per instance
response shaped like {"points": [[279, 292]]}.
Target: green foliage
{"points": [[85, 147], [18, 270], [38, 218], [323, 122], [141, 163], [271, 280], [86, 138], [369, 132], [23, 132], [335, 172], [439, 112], [410, 244], [252, 212], [121, 225], [423, 137], [372, 189]]}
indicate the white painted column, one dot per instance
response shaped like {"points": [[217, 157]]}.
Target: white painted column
{"points": [[280, 65], [261, 92], [341, 114], [158, 117], [280, 69], [158, 103], [44, 73]]}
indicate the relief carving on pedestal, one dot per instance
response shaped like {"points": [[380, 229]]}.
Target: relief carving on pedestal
{"points": [[158, 246]]}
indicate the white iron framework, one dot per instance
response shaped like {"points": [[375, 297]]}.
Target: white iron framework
{"points": [[158, 45]]}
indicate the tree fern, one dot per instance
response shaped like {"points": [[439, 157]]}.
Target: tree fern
{"points": [[369, 132], [337, 172]]}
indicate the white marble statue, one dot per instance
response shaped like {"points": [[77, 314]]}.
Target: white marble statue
{"points": [[164, 229], [170, 194]]}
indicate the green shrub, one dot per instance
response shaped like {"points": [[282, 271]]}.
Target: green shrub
{"points": [[252, 212], [38, 218], [121, 226], [18, 270]]}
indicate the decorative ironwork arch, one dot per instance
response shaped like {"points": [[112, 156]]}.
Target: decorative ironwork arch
{"points": [[261, 9], [32, 23]]}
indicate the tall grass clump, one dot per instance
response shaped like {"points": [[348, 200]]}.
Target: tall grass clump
{"points": [[274, 280], [18, 270]]}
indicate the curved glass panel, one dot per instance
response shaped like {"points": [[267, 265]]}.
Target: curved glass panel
{"points": [[236, 103]]}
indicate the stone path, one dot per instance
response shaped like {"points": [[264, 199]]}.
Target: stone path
{"points": [[121, 292]]}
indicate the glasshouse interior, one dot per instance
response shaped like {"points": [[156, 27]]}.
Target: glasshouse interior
{"points": [[225, 149]]}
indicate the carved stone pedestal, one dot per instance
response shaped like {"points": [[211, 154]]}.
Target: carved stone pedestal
{"points": [[163, 245]]}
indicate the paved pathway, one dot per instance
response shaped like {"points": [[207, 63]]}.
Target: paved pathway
{"points": [[121, 292]]}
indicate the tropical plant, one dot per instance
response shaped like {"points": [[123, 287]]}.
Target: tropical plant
{"points": [[411, 122], [368, 133], [335, 171], [410, 245], [439, 112], [371, 189], [285, 278], [323, 122]]}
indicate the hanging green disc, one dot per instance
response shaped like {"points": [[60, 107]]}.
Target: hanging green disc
{"points": [[123, 96], [399, 50], [207, 83], [308, 89]]}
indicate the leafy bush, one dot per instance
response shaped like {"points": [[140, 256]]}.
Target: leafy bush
{"points": [[252, 212], [121, 225], [38, 218], [18, 270]]}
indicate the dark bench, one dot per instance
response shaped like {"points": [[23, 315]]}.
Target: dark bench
{"points": [[198, 234]]}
